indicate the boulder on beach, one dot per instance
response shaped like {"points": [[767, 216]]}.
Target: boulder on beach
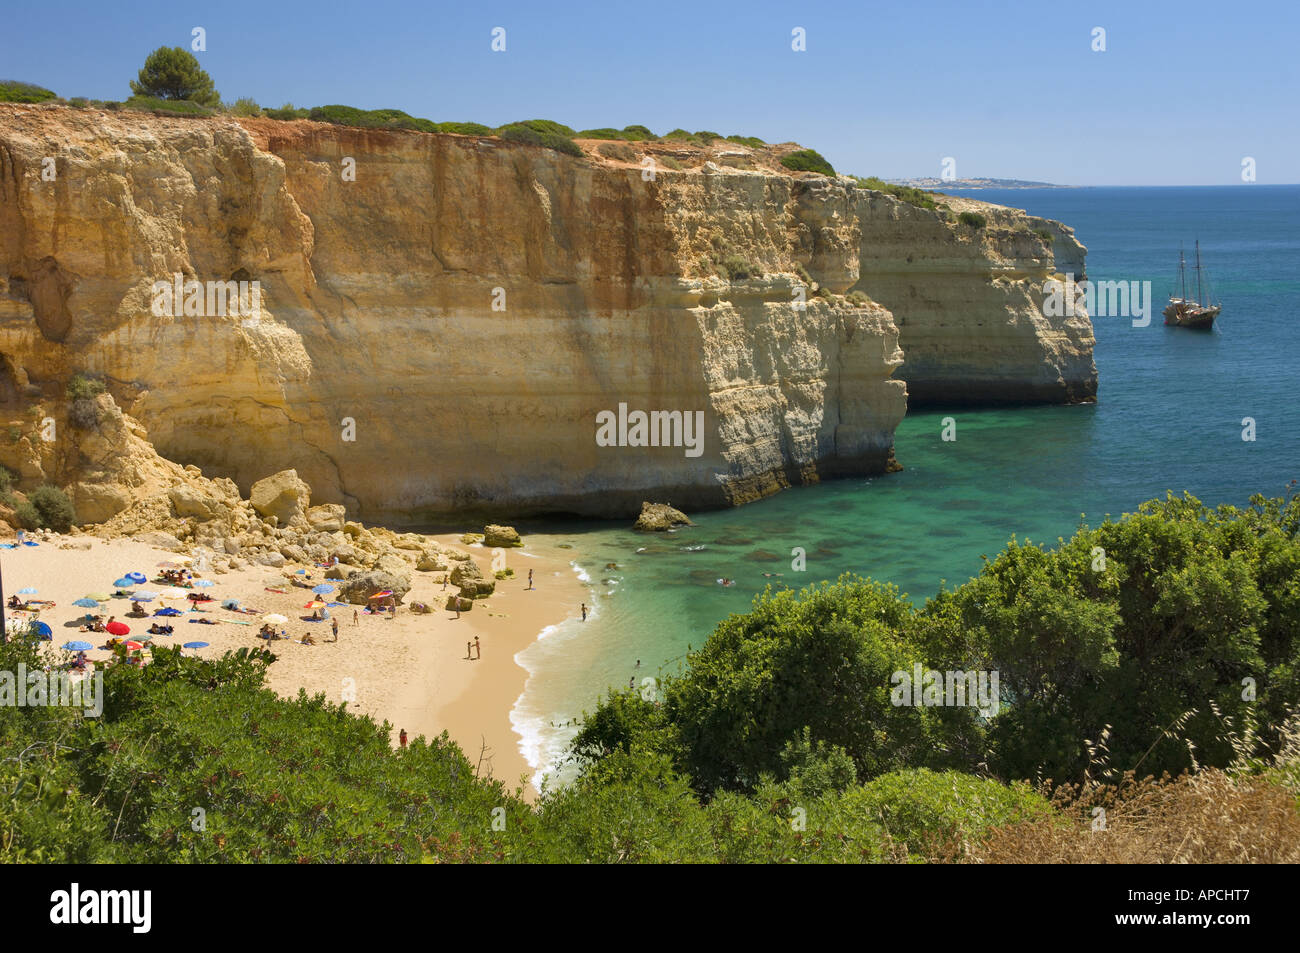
{"points": [[282, 495], [360, 586], [471, 581], [657, 517], [462, 603], [504, 536]]}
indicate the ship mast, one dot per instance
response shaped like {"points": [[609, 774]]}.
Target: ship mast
{"points": [[1198, 272], [1182, 269]]}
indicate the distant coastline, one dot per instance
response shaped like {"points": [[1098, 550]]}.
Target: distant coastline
{"points": [[932, 182]]}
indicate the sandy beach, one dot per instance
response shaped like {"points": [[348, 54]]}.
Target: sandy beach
{"points": [[412, 670]]}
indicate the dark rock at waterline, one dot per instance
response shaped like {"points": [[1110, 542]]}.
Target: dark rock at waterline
{"points": [[658, 517]]}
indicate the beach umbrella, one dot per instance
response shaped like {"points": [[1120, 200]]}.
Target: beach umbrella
{"points": [[169, 611], [322, 589], [125, 582], [335, 604], [204, 583], [382, 594], [144, 595], [133, 646], [275, 618], [28, 591], [197, 645], [43, 630], [117, 628], [78, 646], [300, 572], [230, 603], [86, 603], [98, 596], [315, 604], [136, 577]]}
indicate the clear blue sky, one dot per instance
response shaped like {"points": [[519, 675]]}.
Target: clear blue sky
{"points": [[1183, 92]]}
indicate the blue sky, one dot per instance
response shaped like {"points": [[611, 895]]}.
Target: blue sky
{"points": [[1182, 93]]}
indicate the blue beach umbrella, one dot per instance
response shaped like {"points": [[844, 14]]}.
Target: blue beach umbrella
{"points": [[197, 645], [77, 646], [43, 630], [86, 603], [28, 591], [230, 603], [125, 582], [137, 577], [323, 588], [169, 611], [203, 583]]}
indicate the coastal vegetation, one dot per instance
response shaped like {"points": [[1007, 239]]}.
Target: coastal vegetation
{"points": [[973, 219], [807, 160], [1148, 669], [912, 196]]}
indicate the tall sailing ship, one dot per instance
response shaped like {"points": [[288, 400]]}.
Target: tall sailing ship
{"points": [[1198, 312]]}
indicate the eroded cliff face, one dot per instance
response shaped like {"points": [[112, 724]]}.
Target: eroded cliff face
{"points": [[968, 303], [440, 334]]}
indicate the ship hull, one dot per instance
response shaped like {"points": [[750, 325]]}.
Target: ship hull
{"points": [[1183, 315]]}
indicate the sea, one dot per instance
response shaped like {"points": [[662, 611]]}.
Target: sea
{"points": [[1171, 411]]}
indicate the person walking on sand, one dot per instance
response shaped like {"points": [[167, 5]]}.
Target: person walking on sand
{"points": [[530, 579], [584, 612], [334, 624], [401, 739], [356, 617], [469, 651], [478, 650]]}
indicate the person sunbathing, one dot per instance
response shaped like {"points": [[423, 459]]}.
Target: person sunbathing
{"points": [[204, 621], [14, 603]]}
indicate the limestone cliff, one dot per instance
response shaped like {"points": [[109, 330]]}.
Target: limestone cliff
{"points": [[441, 332]]}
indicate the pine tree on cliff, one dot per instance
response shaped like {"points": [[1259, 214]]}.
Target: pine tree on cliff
{"points": [[171, 72]]}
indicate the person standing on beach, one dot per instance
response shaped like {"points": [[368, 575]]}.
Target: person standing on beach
{"points": [[334, 624], [530, 579], [356, 617], [469, 651], [401, 739], [478, 650], [584, 612]]}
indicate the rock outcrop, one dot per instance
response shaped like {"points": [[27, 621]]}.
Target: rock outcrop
{"points": [[443, 333], [503, 536], [659, 517]]}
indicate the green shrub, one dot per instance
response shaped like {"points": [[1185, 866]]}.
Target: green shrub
{"points": [[752, 141], [245, 107], [47, 507], [286, 112], [465, 128], [603, 133], [737, 267], [973, 219], [682, 135], [81, 387], [806, 160], [669, 162], [530, 135], [858, 299], [706, 137], [544, 126], [638, 134], [1044, 234], [6, 480], [13, 91], [174, 73]]}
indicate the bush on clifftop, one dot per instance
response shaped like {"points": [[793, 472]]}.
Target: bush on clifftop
{"points": [[807, 160], [174, 73], [13, 91]]}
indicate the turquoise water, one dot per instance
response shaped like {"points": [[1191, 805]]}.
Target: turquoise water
{"points": [[1168, 417]]}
